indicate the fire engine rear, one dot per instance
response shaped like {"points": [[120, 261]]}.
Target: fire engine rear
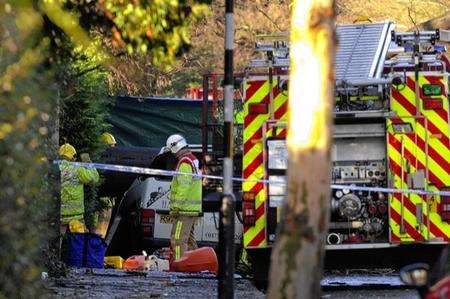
{"points": [[391, 130]]}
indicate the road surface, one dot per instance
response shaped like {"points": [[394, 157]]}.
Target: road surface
{"points": [[82, 283], [109, 283]]}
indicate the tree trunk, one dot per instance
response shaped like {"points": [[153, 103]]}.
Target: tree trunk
{"points": [[297, 257]]}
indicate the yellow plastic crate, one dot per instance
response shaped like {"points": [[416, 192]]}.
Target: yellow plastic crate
{"points": [[115, 262]]}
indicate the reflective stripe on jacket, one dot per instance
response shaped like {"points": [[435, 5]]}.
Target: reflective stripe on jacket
{"points": [[72, 191], [186, 191]]}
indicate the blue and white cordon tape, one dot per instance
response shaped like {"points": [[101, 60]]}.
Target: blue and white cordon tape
{"points": [[159, 172]]}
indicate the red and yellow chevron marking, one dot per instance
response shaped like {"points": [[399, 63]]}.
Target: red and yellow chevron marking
{"points": [[257, 91], [427, 149]]}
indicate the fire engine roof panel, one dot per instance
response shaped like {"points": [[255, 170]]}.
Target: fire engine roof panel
{"points": [[362, 50]]}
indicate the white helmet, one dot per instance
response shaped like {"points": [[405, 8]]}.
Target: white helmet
{"points": [[175, 143]]}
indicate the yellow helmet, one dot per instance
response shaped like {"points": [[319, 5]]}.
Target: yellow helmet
{"points": [[108, 139], [68, 151]]}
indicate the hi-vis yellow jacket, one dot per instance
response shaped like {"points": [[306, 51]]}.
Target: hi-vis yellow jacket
{"points": [[72, 190], [186, 191]]}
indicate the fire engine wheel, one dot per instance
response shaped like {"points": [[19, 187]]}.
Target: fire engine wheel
{"points": [[440, 266]]}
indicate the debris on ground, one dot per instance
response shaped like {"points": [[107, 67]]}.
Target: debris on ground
{"points": [[113, 283]]}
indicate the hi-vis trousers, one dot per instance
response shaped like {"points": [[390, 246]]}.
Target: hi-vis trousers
{"points": [[182, 236]]}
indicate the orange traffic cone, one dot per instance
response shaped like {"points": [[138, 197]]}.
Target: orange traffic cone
{"points": [[201, 259]]}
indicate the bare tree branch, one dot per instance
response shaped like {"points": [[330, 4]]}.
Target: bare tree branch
{"points": [[270, 19], [411, 9]]}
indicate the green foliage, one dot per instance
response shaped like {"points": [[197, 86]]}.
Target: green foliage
{"points": [[48, 55], [252, 17], [84, 99], [25, 118], [160, 27], [84, 107]]}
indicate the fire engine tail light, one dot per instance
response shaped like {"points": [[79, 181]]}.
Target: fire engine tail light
{"points": [[248, 209], [430, 104], [444, 208], [258, 108], [148, 222]]}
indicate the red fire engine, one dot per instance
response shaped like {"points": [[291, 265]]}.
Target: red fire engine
{"points": [[391, 130]]}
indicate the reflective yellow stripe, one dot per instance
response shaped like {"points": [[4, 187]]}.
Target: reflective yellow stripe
{"points": [[410, 217], [405, 237], [395, 228], [253, 231], [397, 107], [395, 204], [254, 126], [279, 101], [247, 186], [257, 174], [177, 252], [434, 143], [438, 145], [258, 122], [436, 218], [177, 249], [432, 216], [414, 198], [252, 154], [257, 96], [249, 157], [178, 230], [421, 157]]}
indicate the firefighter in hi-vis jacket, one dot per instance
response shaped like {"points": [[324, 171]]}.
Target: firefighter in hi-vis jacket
{"points": [[73, 179], [185, 196]]}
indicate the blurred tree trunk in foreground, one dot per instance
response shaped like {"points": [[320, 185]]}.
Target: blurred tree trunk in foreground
{"points": [[297, 257]]}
